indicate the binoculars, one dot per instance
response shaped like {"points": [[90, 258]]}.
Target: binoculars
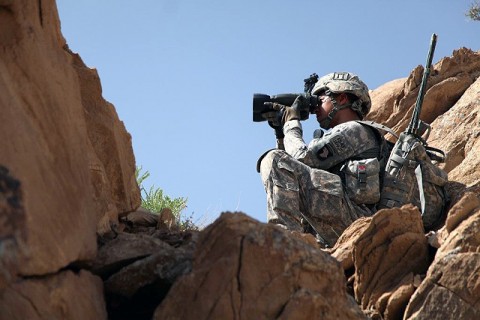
{"points": [[262, 112]]}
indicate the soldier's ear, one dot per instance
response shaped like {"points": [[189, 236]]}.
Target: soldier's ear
{"points": [[342, 98]]}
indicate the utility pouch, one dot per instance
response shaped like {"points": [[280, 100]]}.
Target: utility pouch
{"points": [[411, 177], [362, 180]]}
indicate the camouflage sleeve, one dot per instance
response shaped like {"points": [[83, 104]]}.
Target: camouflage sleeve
{"points": [[341, 143], [294, 143]]}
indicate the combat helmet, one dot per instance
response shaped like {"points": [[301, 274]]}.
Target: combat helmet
{"points": [[338, 82]]}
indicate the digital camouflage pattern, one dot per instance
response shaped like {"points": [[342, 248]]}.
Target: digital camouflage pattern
{"points": [[296, 192], [332, 148], [411, 177], [303, 182], [347, 82], [362, 180]]}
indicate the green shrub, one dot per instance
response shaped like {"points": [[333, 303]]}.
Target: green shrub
{"points": [[154, 201], [474, 11]]}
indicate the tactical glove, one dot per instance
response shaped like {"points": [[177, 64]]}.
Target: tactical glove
{"points": [[290, 113], [274, 119]]}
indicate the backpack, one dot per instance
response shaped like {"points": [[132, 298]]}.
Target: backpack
{"points": [[409, 175]]}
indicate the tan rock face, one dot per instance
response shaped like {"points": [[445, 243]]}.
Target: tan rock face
{"points": [[62, 296], [111, 154], [458, 132], [247, 270], [386, 256], [43, 133], [60, 139], [343, 249], [12, 220], [392, 103], [452, 284]]}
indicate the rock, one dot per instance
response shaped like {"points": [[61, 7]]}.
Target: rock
{"points": [[137, 289], [343, 248], [61, 140], [163, 266], [451, 289], [125, 249], [449, 79], [457, 132], [384, 99], [167, 220], [111, 159], [12, 219], [142, 218], [44, 138], [243, 269], [452, 285], [465, 237], [386, 256], [66, 295], [461, 210]]}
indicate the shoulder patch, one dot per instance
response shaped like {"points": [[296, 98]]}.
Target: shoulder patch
{"points": [[323, 153], [338, 144]]}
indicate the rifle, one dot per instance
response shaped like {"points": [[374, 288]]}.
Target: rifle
{"points": [[410, 175], [415, 122]]}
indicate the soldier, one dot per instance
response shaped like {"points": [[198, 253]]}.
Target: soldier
{"points": [[334, 180]]}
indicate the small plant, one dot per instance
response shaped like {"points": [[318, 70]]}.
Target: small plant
{"points": [[154, 200], [474, 11]]}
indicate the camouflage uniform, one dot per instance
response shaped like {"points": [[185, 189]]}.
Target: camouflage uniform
{"points": [[301, 185], [306, 183]]}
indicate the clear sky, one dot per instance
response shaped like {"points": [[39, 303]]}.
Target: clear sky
{"points": [[182, 73]]}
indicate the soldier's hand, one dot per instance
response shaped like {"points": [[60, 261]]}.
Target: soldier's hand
{"points": [[274, 119], [298, 103], [290, 113], [293, 112]]}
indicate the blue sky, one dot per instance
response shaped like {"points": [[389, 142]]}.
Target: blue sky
{"points": [[182, 73]]}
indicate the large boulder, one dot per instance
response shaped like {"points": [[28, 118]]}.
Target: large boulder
{"points": [[457, 133], [393, 102], [12, 233], [44, 138], [244, 269], [387, 257], [60, 139], [66, 295], [452, 284]]}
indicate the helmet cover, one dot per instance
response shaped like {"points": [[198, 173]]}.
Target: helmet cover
{"points": [[346, 82]]}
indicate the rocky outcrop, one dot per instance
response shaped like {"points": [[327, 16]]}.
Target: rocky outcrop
{"points": [[54, 120], [73, 163], [111, 161], [246, 270], [451, 105], [42, 132], [66, 295], [12, 234], [462, 145], [387, 256], [449, 78], [452, 284], [73, 245]]}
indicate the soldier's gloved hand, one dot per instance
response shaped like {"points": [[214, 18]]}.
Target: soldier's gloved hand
{"points": [[274, 118], [293, 112]]}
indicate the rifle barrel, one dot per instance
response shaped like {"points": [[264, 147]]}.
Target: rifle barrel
{"points": [[413, 125]]}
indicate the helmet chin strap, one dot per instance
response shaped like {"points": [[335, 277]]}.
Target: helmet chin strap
{"points": [[325, 123]]}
